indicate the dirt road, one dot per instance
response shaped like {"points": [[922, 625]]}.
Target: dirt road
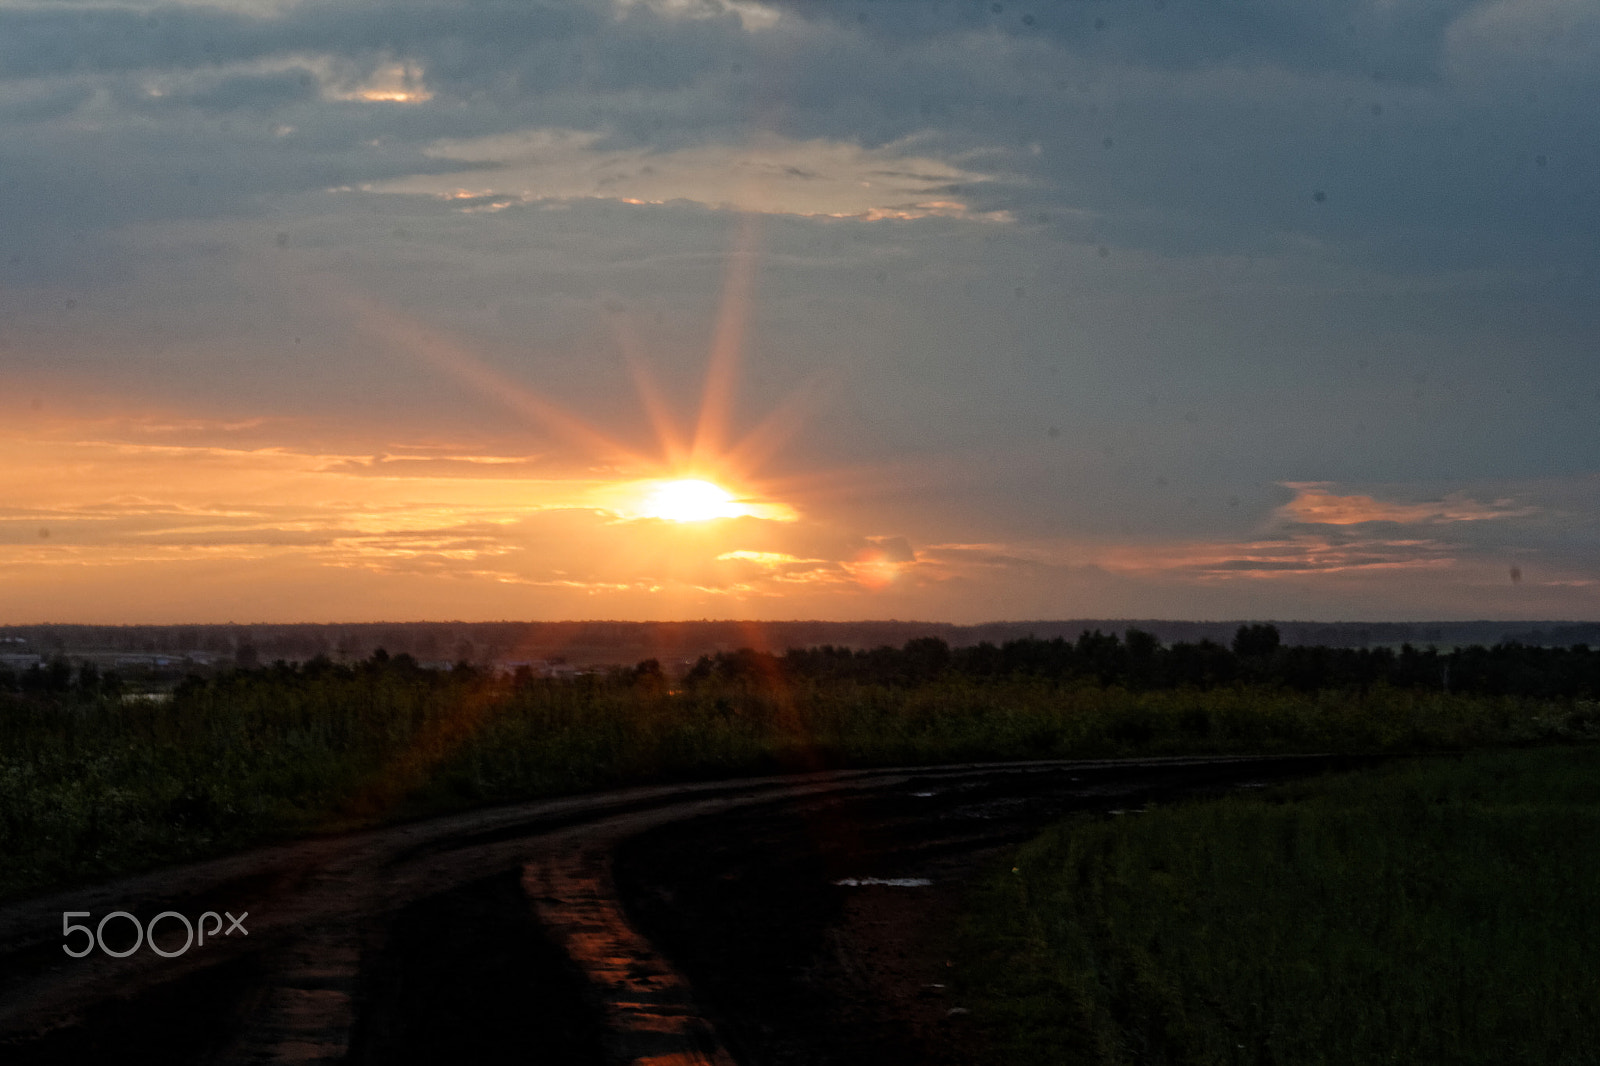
{"points": [[792, 919]]}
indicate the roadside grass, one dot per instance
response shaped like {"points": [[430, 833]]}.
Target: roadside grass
{"points": [[1442, 910], [94, 788]]}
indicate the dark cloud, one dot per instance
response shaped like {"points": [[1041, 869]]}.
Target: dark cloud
{"points": [[105, 40], [1222, 120], [266, 92], [1400, 41]]}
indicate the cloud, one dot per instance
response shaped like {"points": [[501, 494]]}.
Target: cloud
{"points": [[1315, 505], [1184, 129], [442, 466], [1274, 558], [771, 175], [752, 16]]}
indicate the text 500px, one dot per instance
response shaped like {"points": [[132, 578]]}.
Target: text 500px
{"points": [[146, 934]]}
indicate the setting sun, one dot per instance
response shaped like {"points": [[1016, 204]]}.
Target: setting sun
{"points": [[685, 500], [691, 500]]}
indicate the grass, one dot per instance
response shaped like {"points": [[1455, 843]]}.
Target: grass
{"points": [[1437, 910], [92, 788]]}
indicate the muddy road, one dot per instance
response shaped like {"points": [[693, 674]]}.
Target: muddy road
{"points": [[797, 919]]}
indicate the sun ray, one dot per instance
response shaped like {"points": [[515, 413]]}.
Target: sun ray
{"points": [[758, 446], [673, 446], [689, 481], [408, 334], [716, 403]]}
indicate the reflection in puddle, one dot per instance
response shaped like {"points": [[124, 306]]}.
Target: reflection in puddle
{"points": [[893, 882]]}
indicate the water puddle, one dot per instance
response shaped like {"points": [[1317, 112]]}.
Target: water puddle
{"points": [[892, 882]]}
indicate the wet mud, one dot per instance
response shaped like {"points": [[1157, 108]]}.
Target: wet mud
{"points": [[469, 976], [794, 967]]}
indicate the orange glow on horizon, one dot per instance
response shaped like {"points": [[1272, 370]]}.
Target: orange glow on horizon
{"points": [[158, 514]]}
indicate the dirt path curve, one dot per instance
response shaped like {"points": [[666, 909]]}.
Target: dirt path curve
{"points": [[290, 987]]}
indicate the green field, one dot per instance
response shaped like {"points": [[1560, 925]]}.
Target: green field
{"points": [[1440, 910], [92, 786]]}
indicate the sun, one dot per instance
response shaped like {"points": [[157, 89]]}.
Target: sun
{"points": [[690, 500], [686, 499]]}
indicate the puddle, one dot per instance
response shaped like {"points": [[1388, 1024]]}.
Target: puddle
{"points": [[924, 795], [892, 882]]}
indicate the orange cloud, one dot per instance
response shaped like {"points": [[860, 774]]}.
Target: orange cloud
{"points": [[176, 523], [1315, 505], [1299, 555]]}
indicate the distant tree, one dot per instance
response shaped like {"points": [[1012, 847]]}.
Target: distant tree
{"points": [[648, 676], [1141, 645], [926, 658], [700, 671], [745, 664], [1256, 641], [1202, 665], [58, 675], [1144, 658], [33, 679], [1101, 656], [89, 679], [245, 656]]}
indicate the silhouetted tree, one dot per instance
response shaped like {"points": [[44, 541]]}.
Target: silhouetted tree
{"points": [[1256, 641]]}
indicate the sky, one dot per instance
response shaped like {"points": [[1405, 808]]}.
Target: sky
{"points": [[342, 310]]}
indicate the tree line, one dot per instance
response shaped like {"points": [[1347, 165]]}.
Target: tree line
{"points": [[1139, 661]]}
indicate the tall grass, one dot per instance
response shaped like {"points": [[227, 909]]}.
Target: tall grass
{"points": [[1438, 911], [94, 787]]}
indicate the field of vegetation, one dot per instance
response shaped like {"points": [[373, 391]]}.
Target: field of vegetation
{"points": [[1439, 910], [95, 781]]}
